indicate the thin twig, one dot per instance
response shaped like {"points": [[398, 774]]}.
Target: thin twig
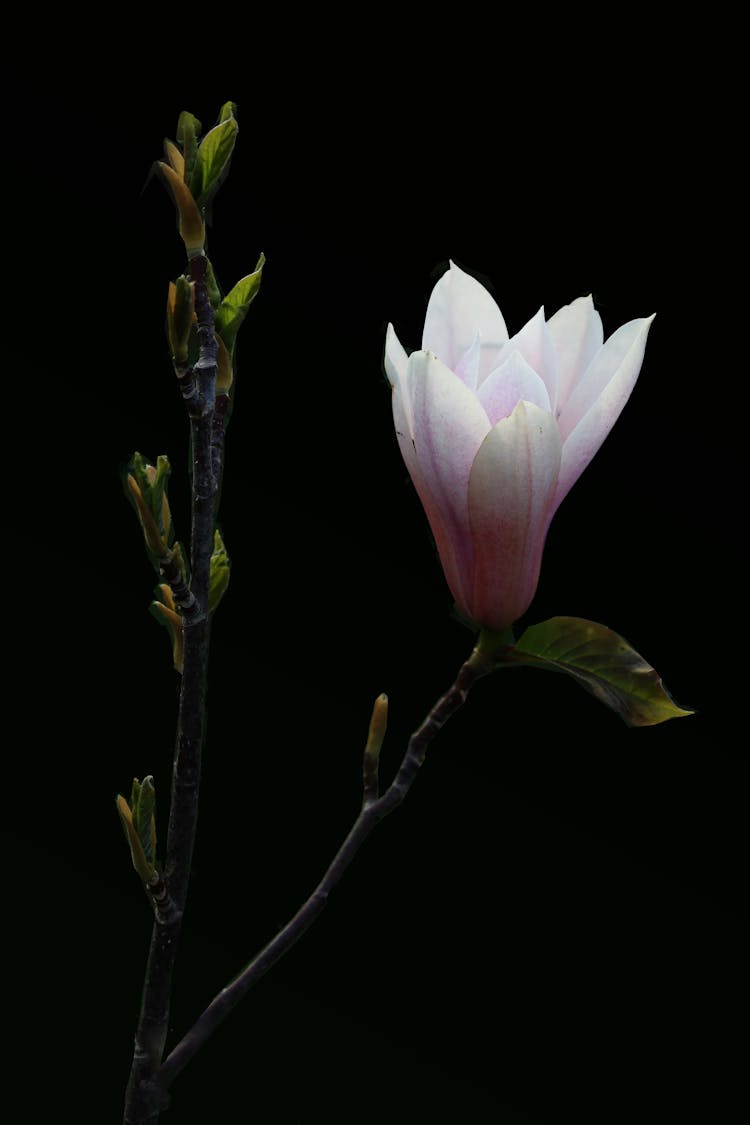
{"points": [[372, 812], [144, 1097]]}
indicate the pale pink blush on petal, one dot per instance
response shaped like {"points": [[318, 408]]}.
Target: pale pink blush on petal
{"points": [[624, 347], [467, 367], [511, 488], [458, 309], [577, 334], [535, 345], [449, 426], [504, 388], [445, 545], [580, 445], [396, 360]]}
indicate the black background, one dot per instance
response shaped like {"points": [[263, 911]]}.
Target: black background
{"points": [[550, 928]]}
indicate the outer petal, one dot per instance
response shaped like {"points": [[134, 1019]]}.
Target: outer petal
{"points": [[597, 401], [458, 308], [535, 345], [449, 425], [512, 381], [396, 360], [511, 488], [577, 335]]}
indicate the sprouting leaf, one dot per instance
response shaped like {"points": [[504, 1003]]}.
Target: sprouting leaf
{"points": [[212, 159], [233, 309], [219, 574], [188, 131]]}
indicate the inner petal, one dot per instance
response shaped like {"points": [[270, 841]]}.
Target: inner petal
{"points": [[458, 308], [514, 380], [467, 367], [535, 345]]}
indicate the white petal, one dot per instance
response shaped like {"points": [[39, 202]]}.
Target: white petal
{"points": [[577, 335], [603, 367], [467, 367], [512, 381], [396, 359], [535, 345], [597, 401], [449, 425], [396, 363], [511, 487], [458, 309]]}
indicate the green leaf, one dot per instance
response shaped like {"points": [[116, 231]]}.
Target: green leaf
{"points": [[233, 309], [602, 662], [229, 109], [212, 159], [188, 131], [219, 574]]}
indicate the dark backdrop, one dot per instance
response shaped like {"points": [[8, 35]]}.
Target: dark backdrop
{"points": [[550, 928]]}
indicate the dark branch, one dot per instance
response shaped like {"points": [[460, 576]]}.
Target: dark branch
{"points": [[371, 814], [145, 1095]]}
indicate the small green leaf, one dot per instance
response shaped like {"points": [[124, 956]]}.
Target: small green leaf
{"points": [[229, 109], [212, 286], [188, 131], [152, 482], [233, 309], [219, 574], [180, 313], [180, 558], [602, 662], [143, 866], [212, 160]]}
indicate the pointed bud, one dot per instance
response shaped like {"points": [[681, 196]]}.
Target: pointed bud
{"points": [[180, 317], [371, 757], [175, 159], [146, 486], [139, 824], [219, 574], [165, 612], [192, 228]]}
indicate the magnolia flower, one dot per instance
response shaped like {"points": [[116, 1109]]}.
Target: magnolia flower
{"points": [[496, 431]]}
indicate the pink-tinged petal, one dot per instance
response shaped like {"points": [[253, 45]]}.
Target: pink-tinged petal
{"points": [[396, 365], [600, 396], [443, 540], [396, 359], [623, 349], [458, 309], [511, 488], [514, 380], [577, 335], [449, 425], [467, 367], [535, 345]]}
